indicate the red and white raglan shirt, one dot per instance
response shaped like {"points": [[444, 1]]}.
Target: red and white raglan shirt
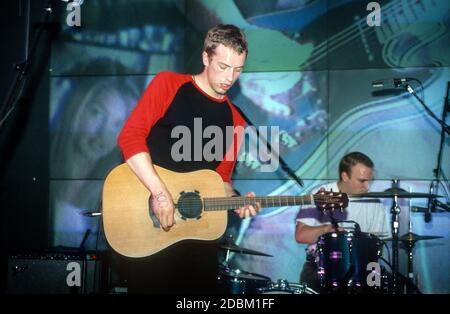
{"points": [[172, 100]]}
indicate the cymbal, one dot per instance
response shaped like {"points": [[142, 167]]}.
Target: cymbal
{"points": [[412, 237], [395, 192], [238, 249]]}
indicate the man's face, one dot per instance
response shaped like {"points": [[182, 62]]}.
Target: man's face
{"points": [[357, 181], [222, 70]]}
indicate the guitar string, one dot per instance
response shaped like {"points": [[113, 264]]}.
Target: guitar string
{"points": [[226, 203], [353, 32], [262, 198], [348, 30], [351, 29]]}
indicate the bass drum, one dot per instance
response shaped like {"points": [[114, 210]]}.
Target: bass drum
{"points": [[285, 287]]}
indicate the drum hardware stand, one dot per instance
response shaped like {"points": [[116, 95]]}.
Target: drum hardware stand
{"points": [[410, 278], [227, 256], [409, 282], [409, 250], [395, 211]]}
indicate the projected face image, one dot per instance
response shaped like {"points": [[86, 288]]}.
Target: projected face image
{"points": [[86, 123], [98, 125]]}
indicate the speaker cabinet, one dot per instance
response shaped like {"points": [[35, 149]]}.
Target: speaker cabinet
{"points": [[54, 273]]}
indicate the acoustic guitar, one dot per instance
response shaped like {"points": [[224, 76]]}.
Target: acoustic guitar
{"points": [[132, 229]]}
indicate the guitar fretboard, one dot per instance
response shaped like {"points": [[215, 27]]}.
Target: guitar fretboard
{"points": [[226, 203]]}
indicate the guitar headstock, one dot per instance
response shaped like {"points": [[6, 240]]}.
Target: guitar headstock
{"points": [[329, 200]]}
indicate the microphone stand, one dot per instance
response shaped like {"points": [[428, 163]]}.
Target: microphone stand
{"points": [[22, 68], [283, 164], [445, 127], [437, 171]]}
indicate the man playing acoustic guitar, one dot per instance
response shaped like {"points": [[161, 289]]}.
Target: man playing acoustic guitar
{"points": [[147, 139]]}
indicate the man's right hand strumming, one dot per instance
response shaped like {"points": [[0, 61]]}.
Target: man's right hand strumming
{"points": [[161, 200], [163, 206]]}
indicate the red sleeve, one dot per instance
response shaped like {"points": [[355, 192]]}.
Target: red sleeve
{"points": [[226, 166], [150, 108]]}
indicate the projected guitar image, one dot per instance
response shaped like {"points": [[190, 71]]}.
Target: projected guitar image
{"points": [[408, 28], [412, 33]]}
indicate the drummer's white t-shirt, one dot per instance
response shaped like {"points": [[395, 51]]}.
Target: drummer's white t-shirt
{"points": [[370, 214]]}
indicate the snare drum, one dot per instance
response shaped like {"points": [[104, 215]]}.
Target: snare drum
{"points": [[236, 281], [285, 287], [343, 260]]}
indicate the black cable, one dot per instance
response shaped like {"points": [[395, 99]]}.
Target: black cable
{"points": [[422, 90], [388, 251]]}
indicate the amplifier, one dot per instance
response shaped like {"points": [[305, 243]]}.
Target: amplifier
{"points": [[54, 273]]}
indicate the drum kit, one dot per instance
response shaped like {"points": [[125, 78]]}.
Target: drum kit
{"points": [[409, 239], [236, 281], [348, 261]]}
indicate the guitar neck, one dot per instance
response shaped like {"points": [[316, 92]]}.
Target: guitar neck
{"points": [[229, 203]]}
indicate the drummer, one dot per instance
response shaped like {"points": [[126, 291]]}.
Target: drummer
{"points": [[355, 175]]}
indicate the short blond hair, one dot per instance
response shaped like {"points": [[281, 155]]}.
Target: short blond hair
{"points": [[228, 35]]}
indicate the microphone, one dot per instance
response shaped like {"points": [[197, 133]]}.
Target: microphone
{"points": [[427, 215], [384, 92], [90, 214], [394, 82], [430, 206]]}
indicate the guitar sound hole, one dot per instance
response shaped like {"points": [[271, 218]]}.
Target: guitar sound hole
{"points": [[190, 205]]}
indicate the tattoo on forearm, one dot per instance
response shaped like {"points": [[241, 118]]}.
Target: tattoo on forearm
{"points": [[161, 198]]}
